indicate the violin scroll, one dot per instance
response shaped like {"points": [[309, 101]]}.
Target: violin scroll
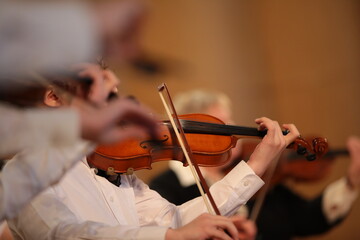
{"points": [[317, 148]]}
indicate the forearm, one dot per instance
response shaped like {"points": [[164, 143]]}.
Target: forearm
{"points": [[235, 189], [63, 224], [229, 193], [97, 231]]}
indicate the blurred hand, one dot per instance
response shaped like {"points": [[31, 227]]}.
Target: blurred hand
{"points": [[272, 145], [103, 125], [353, 174], [103, 82], [119, 24], [204, 227], [247, 228]]}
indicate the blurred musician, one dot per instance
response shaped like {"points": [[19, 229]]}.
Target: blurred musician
{"points": [[284, 214]]}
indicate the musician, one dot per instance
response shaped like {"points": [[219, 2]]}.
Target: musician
{"points": [[284, 214], [34, 36], [26, 176], [84, 205]]}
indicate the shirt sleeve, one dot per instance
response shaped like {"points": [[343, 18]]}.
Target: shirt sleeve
{"points": [[34, 128], [338, 199], [45, 35], [30, 172], [52, 219], [229, 194]]}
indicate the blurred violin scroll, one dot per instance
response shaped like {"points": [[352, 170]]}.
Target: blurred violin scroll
{"points": [[291, 164]]}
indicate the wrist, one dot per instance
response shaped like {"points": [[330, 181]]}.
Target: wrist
{"points": [[350, 184], [258, 165], [171, 234], [258, 169]]}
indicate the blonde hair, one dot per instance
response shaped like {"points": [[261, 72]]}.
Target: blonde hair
{"points": [[199, 101]]}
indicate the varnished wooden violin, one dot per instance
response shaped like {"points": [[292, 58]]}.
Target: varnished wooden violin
{"points": [[290, 164], [209, 138]]}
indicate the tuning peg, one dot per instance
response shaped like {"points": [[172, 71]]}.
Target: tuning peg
{"points": [[301, 150]]}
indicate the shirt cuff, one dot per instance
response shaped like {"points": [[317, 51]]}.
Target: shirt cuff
{"points": [[248, 178], [338, 199], [242, 183]]}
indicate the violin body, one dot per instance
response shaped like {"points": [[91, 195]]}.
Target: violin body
{"points": [[136, 154]]}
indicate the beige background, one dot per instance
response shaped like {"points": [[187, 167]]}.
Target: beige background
{"points": [[294, 61]]}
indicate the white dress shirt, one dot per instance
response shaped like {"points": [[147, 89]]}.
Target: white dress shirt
{"points": [[86, 206], [338, 199]]}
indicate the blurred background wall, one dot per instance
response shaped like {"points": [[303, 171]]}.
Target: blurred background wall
{"points": [[294, 61]]}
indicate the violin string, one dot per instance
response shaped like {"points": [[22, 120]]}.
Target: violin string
{"points": [[190, 126], [219, 129]]}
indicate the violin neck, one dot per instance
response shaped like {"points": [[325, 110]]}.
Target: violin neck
{"points": [[330, 154], [336, 153], [221, 129]]}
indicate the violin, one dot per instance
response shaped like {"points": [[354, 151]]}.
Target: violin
{"points": [[290, 165], [210, 139]]}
